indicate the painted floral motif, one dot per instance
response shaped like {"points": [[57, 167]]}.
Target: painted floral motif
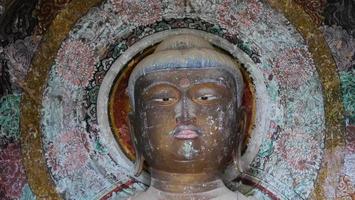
{"points": [[345, 189], [76, 63], [138, 12], [132, 30], [12, 173], [233, 17], [68, 154], [301, 151], [293, 68]]}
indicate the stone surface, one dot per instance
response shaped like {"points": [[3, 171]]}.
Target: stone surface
{"points": [[293, 92]]}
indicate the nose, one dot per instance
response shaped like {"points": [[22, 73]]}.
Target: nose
{"points": [[185, 112]]}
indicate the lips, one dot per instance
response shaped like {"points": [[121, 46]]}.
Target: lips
{"points": [[186, 133]]}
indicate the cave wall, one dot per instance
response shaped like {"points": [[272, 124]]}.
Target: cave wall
{"points": [[54, 56]]}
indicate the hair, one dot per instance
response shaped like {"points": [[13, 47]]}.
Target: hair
{"points": [[186, 52]]}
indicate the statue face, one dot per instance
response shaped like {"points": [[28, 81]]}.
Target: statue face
{"points": [[185, 119]]}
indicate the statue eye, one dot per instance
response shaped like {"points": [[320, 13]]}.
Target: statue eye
{"points": [[162, 94], [164, 100], [207, 97]]}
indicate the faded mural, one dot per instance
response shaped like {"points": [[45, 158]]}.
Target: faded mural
{"points": [[63, 126]]}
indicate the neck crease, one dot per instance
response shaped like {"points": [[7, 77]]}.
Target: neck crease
{"points": [[185, 183]]}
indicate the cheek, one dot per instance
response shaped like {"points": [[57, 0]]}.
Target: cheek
{"points": [[214, 119], [159, 121], [157, 125], [218, 125]]}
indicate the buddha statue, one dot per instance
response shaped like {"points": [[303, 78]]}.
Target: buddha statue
{"points": [[186, 119]]}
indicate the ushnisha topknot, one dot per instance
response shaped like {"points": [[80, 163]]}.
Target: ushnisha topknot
{"points": [[185, 51]]}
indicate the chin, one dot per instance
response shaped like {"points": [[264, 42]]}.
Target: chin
{"points": [[190, 167]]}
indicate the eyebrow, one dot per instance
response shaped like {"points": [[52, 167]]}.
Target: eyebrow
{"points": [[218, 81], [157, 83]]}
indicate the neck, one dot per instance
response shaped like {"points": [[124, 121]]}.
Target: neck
{"points": [[185, 183]]}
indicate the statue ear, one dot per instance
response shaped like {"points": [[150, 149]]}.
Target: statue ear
{"points": [[241, 127], [138, 164], [235, 170]]}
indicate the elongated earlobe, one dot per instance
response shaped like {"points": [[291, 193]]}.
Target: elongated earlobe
{"points": [[237, 154], [138, 164]]}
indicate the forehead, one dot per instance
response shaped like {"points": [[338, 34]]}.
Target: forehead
{"points": [[193, 76]]}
